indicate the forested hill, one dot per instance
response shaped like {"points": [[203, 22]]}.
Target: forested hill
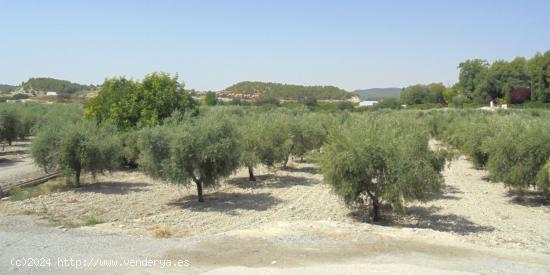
{"points": [[6, 88], [378, 93], [288, 91], [54, 85]]}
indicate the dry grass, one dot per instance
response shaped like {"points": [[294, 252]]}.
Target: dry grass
{"points": [[162, 232]]}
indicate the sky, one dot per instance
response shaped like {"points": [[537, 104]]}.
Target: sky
{"points": [[214, 44]]}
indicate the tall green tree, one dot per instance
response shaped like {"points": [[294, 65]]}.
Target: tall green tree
{"points": [[472, 75], [538, 71], [131, 104], [420, 94]]}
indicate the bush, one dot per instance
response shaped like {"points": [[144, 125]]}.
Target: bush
{"points": [[382, 157], [519, 95], [210, 99]]}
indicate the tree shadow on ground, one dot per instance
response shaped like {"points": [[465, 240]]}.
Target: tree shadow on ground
{"points": [[120, 188], [271, 181], [306, 169], [228, 203], [527, 198], [448, 192], [13, 152], [8, 162], [426, 218]]}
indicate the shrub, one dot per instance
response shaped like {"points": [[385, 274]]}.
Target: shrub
{"points": [[210, 99], [519, 95]]}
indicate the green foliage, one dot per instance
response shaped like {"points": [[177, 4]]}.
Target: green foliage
{"points": [[131, 104], [520, 152], [387, 103], [130, 150], [307, 132], [79, 147], [513, 146], [9, 126], [287, 91], [420, 94], [384, 157], [482, 82], [263, 136], [210, 99], [17, 121], [201, 150], [379, 93], [449, 94]]}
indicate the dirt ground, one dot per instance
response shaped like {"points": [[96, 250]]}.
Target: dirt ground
{"points": [[293, 207], [16, 164]]}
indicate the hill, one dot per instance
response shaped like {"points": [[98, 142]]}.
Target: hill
{"points": [[6, 88], [286, 91], [62, 87], [378, 93]]}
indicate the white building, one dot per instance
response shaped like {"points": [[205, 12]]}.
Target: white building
{"points": [[51, 94], [367, 103]]}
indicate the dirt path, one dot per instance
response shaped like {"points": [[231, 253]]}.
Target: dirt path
{"points": [[16, 164], [280, 248]]}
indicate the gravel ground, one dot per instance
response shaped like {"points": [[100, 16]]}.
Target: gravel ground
{"points": [[132, 203], [285, 212]]}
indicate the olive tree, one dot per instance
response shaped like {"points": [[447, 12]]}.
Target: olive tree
{"points": [[9, 126], [200, 150], [306, 132], [263, 137], [519, 155], [382, 157], [77, 148]]}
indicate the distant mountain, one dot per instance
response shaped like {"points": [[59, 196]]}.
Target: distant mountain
{"points": [[6, 88], [286, 91], [379, 93]]}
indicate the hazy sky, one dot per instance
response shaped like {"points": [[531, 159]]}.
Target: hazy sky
{"points": [[213, 44]]}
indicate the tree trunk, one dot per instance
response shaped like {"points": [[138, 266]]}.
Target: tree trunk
{"points": [[375, 210], [77, 179], [251, 173], [199, 191], [375, 206], [288, 156], [286, 161]]}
